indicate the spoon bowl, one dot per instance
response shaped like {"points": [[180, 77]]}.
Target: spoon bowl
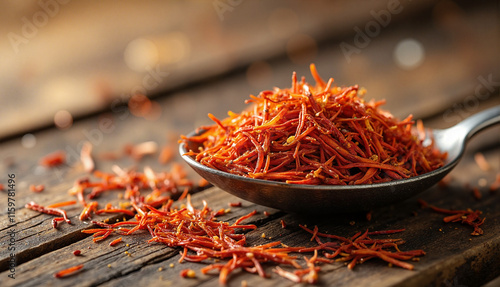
{"points": [[324, 199]]}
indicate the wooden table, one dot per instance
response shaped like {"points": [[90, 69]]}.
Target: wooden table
{"points": [[453, 256]]}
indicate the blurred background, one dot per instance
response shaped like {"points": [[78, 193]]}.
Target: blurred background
{"points": [[66, 60]]}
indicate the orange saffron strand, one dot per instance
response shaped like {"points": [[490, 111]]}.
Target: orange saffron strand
{"points": [[238, 221], [37, 188], [116, 241], [184, 194], [87, 210], [115, 210], [61, 204], [68, 271], [54, 159]]}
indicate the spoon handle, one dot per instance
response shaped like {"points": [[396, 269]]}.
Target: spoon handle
{"points": [[476, 123]]}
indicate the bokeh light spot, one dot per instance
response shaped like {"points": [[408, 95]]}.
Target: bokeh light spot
{"points": [[173, 47], [141, 54], [140, 105], [63, 119], [409, 54], [28, 141]]}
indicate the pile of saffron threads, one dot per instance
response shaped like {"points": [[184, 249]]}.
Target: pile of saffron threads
{"points": [[322, 134], [203, 238], [137, 187]]}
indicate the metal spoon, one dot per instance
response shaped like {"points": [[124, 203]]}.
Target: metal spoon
{"points": [[314, 199]]}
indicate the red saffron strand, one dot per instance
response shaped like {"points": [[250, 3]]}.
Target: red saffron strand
{"points": [[47, 210]]}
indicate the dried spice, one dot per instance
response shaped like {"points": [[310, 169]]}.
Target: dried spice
{"points": [[283, 224], [161, 186], [54, 159], [50, 210], [197, 231], [61, 204], [138, 151], [235, 204], [166, 154], [321, 134], [476, 193], [468, 217], [188, 273], [360, 248], [86, 157], [496, 184], [37, 188], [69, 271], [116, 241], [203, 238], [481, 161]]}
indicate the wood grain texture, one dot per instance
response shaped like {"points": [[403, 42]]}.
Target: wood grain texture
{"points": [[66, 68], [453, 258], [453, 255]]}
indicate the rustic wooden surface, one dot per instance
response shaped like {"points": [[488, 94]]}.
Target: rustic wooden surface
{"points": [[454, 257], [81, 67]]}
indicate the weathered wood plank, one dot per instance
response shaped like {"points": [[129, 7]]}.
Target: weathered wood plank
{"points": [[94, 78], [34, 233], [449, 252], [445, 261], [452, 254], [39, 238], [97, 256], [99, 73]]}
